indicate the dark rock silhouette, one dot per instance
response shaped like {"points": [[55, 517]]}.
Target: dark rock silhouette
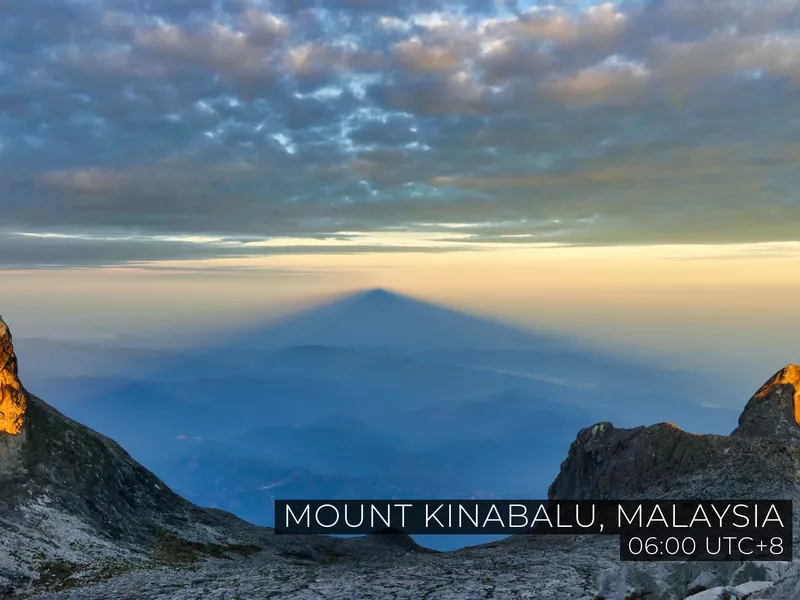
{"points": [[78, 514], [82, 472], [774, 410], [758, 460], [72, 500]]}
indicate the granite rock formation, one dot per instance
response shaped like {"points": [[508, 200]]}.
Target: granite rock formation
{"points": [[774, 410], [13, 400], [73, 503], [760, 459], [81, 520]]}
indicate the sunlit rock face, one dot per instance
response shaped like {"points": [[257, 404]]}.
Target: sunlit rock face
{"points": [[759, 460], [13, 398], [72, 498], [664, 461], [68, 493], [774, 410]]}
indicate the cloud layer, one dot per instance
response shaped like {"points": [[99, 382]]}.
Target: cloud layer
{"points": [[665, 121]]}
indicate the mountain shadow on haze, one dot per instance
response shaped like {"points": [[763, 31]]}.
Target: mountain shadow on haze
{"points": [[373, 395], [381, 319], [81, 518]]}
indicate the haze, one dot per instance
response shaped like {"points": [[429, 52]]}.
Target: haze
{"points": [[617, 178], [724, 308], [623, 171]]}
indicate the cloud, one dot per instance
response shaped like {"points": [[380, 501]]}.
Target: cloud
{"points": [[608, 83], [213, 48], [597, 24], [43, 251], [414, 56], [724, 54], [91, 181], [302, 120], [457, 94]]}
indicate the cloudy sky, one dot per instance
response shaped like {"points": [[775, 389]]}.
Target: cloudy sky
{"points": [[374, 136]]}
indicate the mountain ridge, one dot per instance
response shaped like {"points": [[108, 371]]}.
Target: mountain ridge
{"points": [[767, 440], [70, 496], [74, 500], [53, 468]]}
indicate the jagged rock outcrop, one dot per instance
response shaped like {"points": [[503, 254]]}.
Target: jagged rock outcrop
{"points": [[774, 410], [663, 461], [72, 500], [13, 400], [68, 493], [760, 459], [76, 508]]}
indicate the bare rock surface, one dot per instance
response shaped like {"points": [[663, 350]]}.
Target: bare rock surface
{"points": [[759, 459], [524, 567], [774, 410], [80, 519], [73, 501]]}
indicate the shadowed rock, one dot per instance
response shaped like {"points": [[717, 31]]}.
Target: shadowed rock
{"points": [[662, 461], [68, 493], [760, 459], [79, 471], [774, 410]]}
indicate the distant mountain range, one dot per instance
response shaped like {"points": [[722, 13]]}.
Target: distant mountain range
{"points": [[374, 394], [76, 508], [82, 520]]}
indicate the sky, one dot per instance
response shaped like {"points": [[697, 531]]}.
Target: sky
{"points": [[624, 171]]}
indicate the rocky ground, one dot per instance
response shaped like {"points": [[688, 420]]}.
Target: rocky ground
{"points": [[526, 567], [81, 520]]}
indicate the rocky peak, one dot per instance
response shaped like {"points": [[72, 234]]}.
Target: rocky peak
{"points": [[607, 462], [67, 492], [13, 398], [774, 410], [759, 460]]}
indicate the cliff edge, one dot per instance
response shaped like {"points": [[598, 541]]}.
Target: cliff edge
{"points": [[759, 459]]}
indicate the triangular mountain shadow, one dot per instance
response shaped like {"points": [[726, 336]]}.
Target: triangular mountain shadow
{"points": [[406, 327], [72, 499], [379, 318], [378, 337]]}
